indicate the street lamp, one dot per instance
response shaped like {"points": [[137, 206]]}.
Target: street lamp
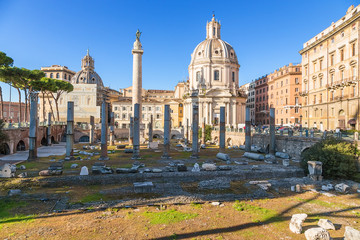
{"points": [[300, 125]]}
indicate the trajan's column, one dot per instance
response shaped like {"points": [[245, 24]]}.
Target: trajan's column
{"points": [[137, 73]]}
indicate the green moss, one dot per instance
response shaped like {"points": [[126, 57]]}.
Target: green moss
{"points": [[170, 216], [196, 205], [9, 204], [259, 214], [95, 197]]}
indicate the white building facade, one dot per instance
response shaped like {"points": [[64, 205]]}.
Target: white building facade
{"points": [[214, 79]]}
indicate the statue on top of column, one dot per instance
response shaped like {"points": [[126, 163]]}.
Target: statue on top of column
{"points": [[138, 34]]}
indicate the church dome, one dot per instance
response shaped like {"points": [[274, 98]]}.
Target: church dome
{"points": [[213, 49], [87, 74]]}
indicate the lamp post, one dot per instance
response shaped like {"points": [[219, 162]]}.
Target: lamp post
{"points": [[300, 125]]}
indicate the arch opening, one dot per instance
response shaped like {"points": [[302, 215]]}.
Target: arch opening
{"points": [[20, 146]]}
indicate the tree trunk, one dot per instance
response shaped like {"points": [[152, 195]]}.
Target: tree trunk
{"points": [[2, 104], [20, 105], [26, 105], [44, 110], [51, 107], [56, 99]]}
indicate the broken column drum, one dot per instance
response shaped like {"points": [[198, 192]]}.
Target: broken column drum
{"points": [[195, 131], [166, 132], [104, 130], [91, 137], [222, 128], [272, 131], [136, 132], [49, 130], [247, 130], [70, 132], [33, 126]]}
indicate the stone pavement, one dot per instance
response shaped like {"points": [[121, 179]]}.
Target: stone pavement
{"points": [[55, 149]]}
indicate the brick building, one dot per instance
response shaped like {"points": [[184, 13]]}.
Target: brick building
{"points": [[261, 101]]}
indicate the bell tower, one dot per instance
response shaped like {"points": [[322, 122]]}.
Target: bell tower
{"points": [[87, 63], [213, 29]]}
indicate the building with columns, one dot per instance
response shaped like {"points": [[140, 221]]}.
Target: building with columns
{"points": [[87, 94], [214, 81], [330, 75]]}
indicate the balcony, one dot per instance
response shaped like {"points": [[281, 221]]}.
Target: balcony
{"points": [[342, 83], [292, 106], [304, 93]]}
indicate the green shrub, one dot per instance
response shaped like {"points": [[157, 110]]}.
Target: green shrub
{"points": [[338, 158]]}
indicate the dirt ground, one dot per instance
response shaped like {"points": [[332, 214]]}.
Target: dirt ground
{"points": [[251, 219]]}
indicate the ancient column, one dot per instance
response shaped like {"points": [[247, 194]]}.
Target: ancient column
{"points": [[104, 131], [33, 126], [166, 132], [137, 73], [203, 131], [187, 131], [91, 135], [136, 132], [222, 129], [49, 130], [195, 131], [131, 131], [227, 114], [247, 131], [70, 132], [272, 131], [112, 136], [151, 129]]}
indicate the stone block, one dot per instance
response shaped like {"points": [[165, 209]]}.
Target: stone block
{"points": [[181, 168], [217, 183], [254, 156], [209, 167], [143, 187], [224, 168], [14, 192], [315, 167], [153, 145], [342, 187], [196, 168], [282, 155], [326, 224], [351, 233], [296, 222], [317, 234], [223, 156], [84, 171]]}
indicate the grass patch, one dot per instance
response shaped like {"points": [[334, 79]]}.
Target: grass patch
{"points": [[259, 214], [95, 197], [323, 203], [170, 216], [7, 204], [196, 205]]}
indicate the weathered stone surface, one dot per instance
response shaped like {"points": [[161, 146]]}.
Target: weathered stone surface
{"points": [[74, 165], [317, 234], [14, 192], [23, 175], [84, 171], [296, 222], [223, 156], [254, 156], [351, 233], [217, 183], [286, 162], [196, 168], [342, 187], [326, 224], [143, 187], [224, 168], [126, 170], [45, 173], [157, 170], [181, 168], [209, 167], [315, 167], [282, 155]]}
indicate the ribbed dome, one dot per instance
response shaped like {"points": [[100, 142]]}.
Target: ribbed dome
{"points": [[213, 50], [87, 75]]}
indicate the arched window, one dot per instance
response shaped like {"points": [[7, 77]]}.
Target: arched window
{"points": [[216, 75], [69, 77], [198, 76], [45, 74], [88, 101], [57, 75], [65, 76], [51, 75]]}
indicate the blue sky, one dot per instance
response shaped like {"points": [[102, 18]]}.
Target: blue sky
{"points": [[265, 34]]}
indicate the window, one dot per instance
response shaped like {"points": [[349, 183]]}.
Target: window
{"points": [[342, 74], [123, 116], [320, 64], [296, 101], [332, 95], [51, 75], [157, 116], [296, 111], [216, 75], [158, 108], [314, 50], [332, 59], [233, 76], [198, 76], [281, 83], [332, 40], [354, 72], [57, 75], [342, 55], [296, 80], [354, 91], [65, 76], [342, 34], [306, 70], [320, 98], [314, 84], [320, 82], [353, 49], [69, 77], [332, 78], [314, 67], [45, 74], [296, 89], [314, 99]]}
